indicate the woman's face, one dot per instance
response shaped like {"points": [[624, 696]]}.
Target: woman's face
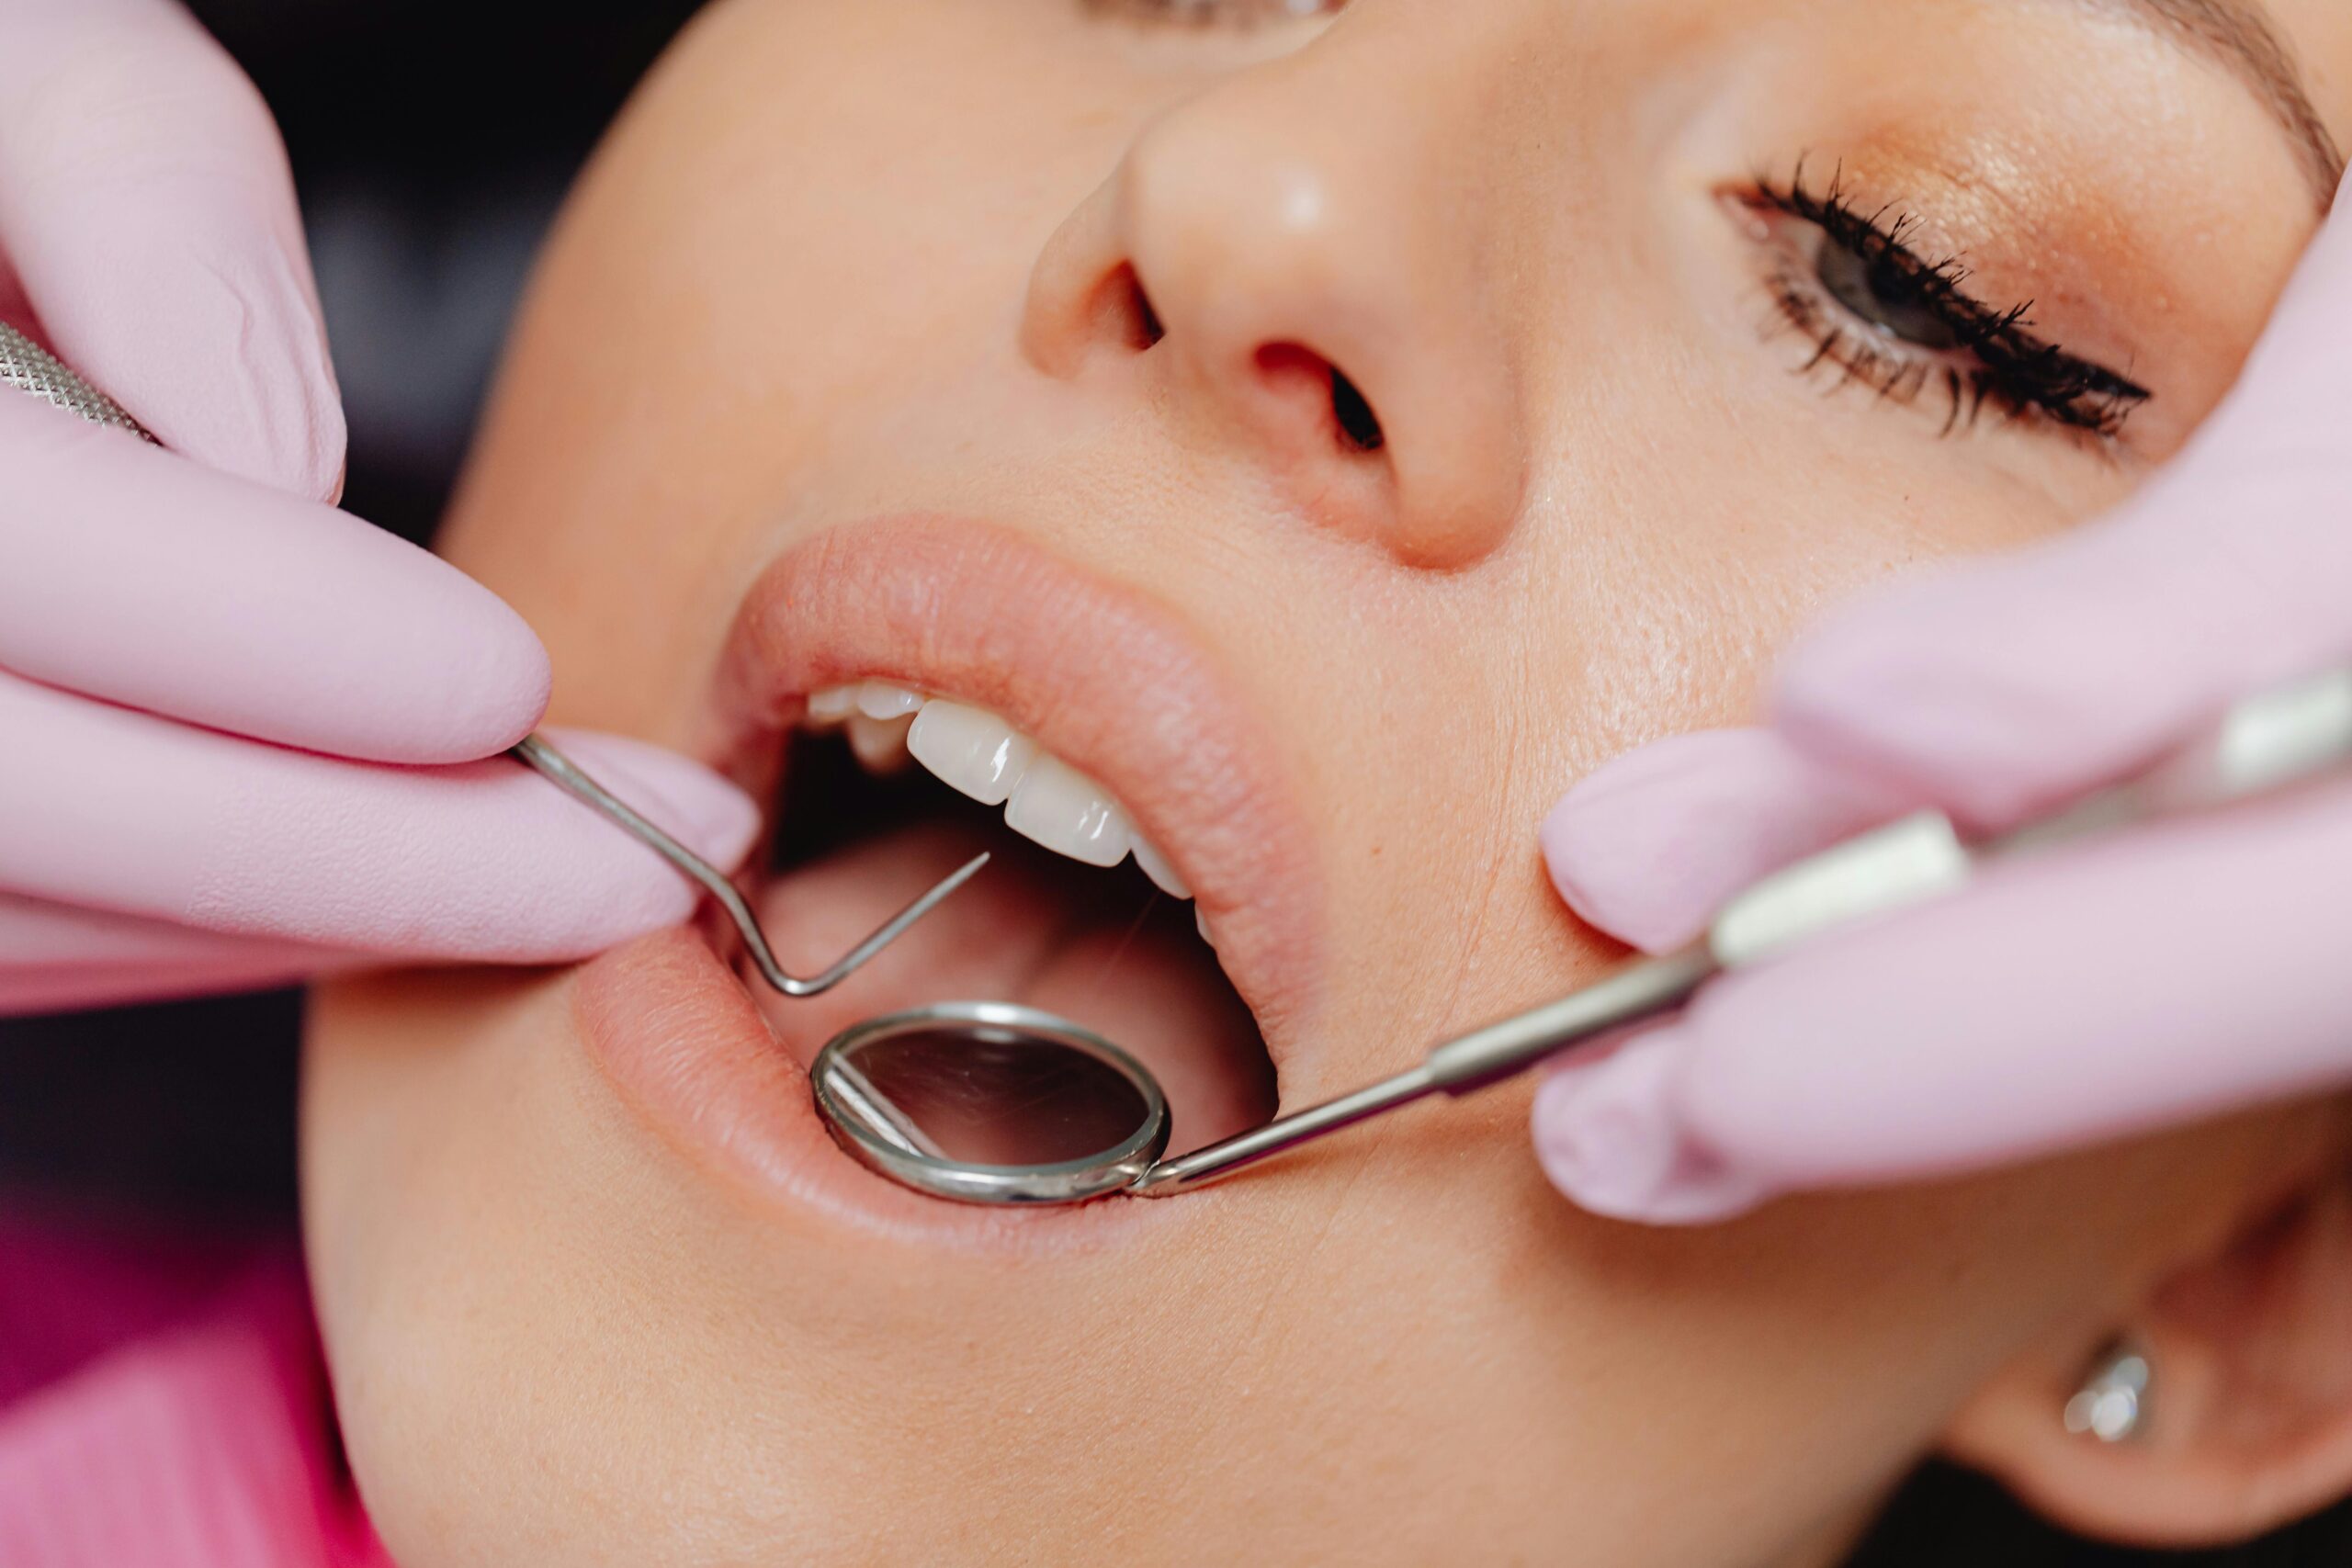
{"points": [[1334, 436]]}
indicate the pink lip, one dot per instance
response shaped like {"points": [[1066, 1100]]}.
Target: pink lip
{"points": [[1104, 677], [675, 1032]]}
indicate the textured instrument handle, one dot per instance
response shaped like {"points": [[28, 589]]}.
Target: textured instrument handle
{"points": [[29, 367]]}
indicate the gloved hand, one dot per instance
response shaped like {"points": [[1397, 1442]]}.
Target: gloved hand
{"points": [[2186, 970], [175, 625]]}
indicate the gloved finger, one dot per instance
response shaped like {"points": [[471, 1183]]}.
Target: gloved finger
{"points": [[1999, 690], [54, 957], [2182, 972], [147, 212], [23, 992], [120, 810], [138, 576], [1648, 847], [37, 935]]}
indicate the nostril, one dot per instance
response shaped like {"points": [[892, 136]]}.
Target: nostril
{"points": [[1357, 422], [1122, 312], [1305, 373], [1149, 329]]}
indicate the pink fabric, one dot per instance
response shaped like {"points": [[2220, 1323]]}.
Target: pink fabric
{"points": [[163, 1405]]}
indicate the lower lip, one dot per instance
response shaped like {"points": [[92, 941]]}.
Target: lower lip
{"points": [[679, 1039]]}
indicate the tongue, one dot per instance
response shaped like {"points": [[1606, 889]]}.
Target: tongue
{"points": [[1100, 949]]}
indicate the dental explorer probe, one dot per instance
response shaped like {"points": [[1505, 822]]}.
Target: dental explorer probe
{"points": [[31, 369], [2274, 741], [536, 752], [1003, 1074]]}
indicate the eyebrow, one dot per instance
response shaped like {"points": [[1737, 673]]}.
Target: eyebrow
{"points": [[2236, 35]]}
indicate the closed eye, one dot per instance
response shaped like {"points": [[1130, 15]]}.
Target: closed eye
{"points": [[1881, 314]]}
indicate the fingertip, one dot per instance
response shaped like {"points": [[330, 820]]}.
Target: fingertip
{"points": [[1600, 1147], [631, 891], [152, 224], [216, 344], [504, 693], [256, 613], [1601, 852], [1649, 847], [694, 805], [1999, 690], [457, 673], [1608, 1137], [1856, 690]]}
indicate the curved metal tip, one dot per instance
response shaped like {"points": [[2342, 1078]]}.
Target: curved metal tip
{"points": [[536, 753], [29, 367], [886, 933]]}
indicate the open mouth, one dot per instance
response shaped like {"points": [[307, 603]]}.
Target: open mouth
{"points": [[1078, 913], [912, 691]]}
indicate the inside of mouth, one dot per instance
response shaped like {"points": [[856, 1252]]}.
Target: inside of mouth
{"points": [[977, 1094], [854, 839]]}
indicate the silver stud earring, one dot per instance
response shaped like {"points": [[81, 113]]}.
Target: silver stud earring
{"points": [[2113, 1400]]}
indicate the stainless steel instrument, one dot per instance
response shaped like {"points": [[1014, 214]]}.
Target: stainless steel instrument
{"points": [[32, 370], [2269, 742]]}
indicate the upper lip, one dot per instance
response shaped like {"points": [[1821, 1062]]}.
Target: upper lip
{"points": [[1098, 673]]}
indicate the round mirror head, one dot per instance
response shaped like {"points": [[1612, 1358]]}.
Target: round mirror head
{"points": [[987, 1103]]}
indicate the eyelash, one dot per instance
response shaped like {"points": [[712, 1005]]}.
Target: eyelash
{"points": [[1992, 357], [1216, 13]]}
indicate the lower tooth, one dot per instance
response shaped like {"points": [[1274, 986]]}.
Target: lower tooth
{"points": [[879, 744]]}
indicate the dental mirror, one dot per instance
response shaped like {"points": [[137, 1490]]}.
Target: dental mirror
{"points": [[989, 1102]]}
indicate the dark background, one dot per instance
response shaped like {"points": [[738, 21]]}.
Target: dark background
{"points": [[431, 141]]}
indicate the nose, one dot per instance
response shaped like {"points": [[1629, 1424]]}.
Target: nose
{"points": [[1290, 264]]}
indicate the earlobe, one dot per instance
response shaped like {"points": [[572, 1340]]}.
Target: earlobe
{"points": [[2246, 1421]]}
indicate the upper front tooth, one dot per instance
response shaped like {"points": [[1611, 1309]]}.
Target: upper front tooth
{"points": [[971, 749], [1067, 812], [1044, 798], [832, 705], [1163, 876], [879, 699]]}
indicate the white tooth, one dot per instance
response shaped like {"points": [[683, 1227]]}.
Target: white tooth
{"points": [[880, 744], [971, 749], [1201, 924], [1163, 876], [832, 705], [1067, 812], [879, 699]]}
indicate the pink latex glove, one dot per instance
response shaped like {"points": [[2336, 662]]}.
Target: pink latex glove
{"points": [[2190, 969], [227, 709]]}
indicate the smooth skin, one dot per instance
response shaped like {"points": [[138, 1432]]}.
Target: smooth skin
{"points": [[2148, 984], [2143, 985], [866, 257]]}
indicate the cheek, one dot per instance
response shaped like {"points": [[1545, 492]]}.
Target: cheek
{"points": [[1656, 575], [731, 293], [552, 1341]]}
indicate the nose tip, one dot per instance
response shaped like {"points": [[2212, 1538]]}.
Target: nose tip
{"points": [[1297, 303]]}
